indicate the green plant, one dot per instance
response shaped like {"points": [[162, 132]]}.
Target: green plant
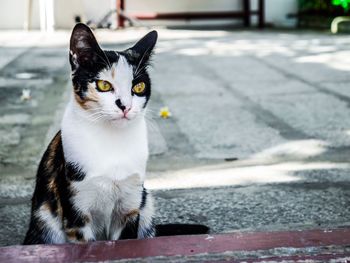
{"points": [[345, 4], [314, 4]]}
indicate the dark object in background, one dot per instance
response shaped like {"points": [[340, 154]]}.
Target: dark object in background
{"points": [[77, 19], [180, 229], [244, 14], [318, 13]]}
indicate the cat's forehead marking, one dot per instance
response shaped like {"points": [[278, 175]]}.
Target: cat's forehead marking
{"points": [[125, 73], [113, 72], [120, 74]]}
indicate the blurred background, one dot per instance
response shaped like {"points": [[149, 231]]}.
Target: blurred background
{"points": [[23, 14], [249, 125]]}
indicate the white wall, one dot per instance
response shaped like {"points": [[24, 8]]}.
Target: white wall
{"points": [[13, 12], [277, 10]]}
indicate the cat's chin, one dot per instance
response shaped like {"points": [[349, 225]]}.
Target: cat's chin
{"points": [[120, 122]]}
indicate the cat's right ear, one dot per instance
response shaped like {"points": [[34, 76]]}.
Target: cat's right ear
{"points": [[84, 49]]}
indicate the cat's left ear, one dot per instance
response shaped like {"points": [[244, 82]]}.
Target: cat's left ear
{"points": [[142, 51], [84, 49]]}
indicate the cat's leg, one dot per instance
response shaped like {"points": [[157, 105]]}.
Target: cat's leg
{"points": [[137, 223], [124, 226], [79, 230], [46, 216], [146, 227], [78, 219], [80, 234], [77, 223], [45, 227], [116, 225]]}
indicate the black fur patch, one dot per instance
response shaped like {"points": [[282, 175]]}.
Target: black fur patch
{"points": [[130, 230], [143, 198], [54, 192]]}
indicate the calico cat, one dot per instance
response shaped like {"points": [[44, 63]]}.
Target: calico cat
{"points": [[89, 182]]}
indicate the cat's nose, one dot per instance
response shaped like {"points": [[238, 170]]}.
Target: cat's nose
{"points": [[120, 104]]}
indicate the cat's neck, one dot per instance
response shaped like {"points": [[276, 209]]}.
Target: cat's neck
{"points": [[98, 147]]}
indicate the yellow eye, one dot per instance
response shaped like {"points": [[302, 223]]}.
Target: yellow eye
{"points": [[103, 85], [139, 88]]}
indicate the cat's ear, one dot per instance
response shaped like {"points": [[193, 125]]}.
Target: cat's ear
{"points": [[84, 49], [142, 50]]}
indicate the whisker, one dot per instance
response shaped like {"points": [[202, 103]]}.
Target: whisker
{"points": [[107, 63], [143, 56], [152, 124]]}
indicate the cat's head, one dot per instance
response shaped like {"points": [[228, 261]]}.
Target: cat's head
{"points": [[110, 86]]}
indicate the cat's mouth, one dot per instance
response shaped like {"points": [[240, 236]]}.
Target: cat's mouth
{"points": [[123, 118], [125, 115]]}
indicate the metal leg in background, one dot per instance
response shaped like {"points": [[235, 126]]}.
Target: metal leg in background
{"points": [[336, 21]]}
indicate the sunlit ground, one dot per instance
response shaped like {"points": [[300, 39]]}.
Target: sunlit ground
{"points": [[274, 165]]}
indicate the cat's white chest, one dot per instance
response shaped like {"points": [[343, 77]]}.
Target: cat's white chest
{"points": [[106, 202], [114, 164], [102, 152], [112, 157]]}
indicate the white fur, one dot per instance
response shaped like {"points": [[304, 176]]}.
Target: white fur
{"points": [[122, 85], [109, 147], [53, 225], [110, 154], [106, 155], [87, 232], [102, 149], [146, 216]]}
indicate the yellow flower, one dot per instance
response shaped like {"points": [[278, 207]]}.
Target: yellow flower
{"points": [[164, 112]]}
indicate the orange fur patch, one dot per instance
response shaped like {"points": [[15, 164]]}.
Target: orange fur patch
{"points": [[90, 97], [52, 186], [45, 206], [113, 72], [74, 235], [52, 151], [132, 213]]}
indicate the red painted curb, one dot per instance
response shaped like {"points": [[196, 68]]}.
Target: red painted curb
{"points": [[175, 246], [339, 258]]}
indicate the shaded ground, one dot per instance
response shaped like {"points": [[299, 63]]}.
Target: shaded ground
{"points": [[277, 101]]}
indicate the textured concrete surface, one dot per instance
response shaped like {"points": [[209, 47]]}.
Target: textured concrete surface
{"points": [[276, 101]]}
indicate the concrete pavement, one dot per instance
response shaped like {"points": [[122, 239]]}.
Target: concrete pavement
{"points": [[276, 101]]}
